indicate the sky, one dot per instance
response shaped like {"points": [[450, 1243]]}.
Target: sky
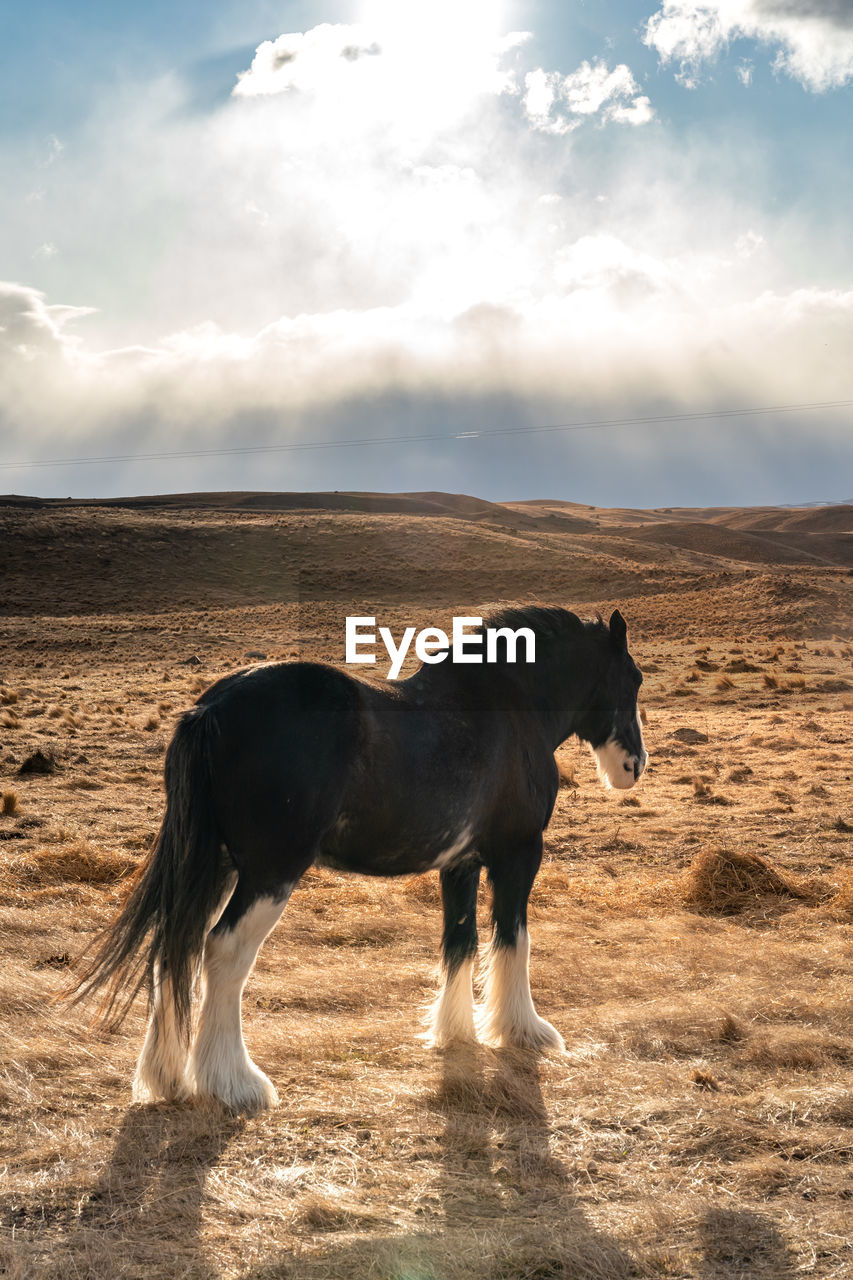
{"points": [[522, 249]]}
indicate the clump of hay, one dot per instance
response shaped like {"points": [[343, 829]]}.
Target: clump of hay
{"points": [[42, 760], [727, 881], [740, 665], [689, 736]]}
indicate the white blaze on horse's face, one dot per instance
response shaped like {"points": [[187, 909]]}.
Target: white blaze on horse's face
{"points": [[618, 767]]}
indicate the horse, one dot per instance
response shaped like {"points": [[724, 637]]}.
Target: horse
{"points": [[285, 766]]}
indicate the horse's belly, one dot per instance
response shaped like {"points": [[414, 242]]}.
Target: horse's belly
{"points": [[347, 850]]}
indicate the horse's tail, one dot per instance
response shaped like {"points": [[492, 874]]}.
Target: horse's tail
{"points": [[159, 933]]}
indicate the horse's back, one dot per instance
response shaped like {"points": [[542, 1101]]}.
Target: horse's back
{"points": [[283, 688]]}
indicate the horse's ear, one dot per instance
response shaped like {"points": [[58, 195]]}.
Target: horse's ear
{"points": [[618, 630]]}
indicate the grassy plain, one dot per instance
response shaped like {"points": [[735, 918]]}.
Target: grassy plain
{"points": [[691, 940]]}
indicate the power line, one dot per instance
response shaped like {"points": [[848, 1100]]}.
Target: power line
{"points": [[483, 433]]}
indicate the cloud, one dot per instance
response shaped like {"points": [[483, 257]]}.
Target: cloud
{"points": [[390, 228], [318, 60], [813, 38], [617, 326], [30, 330], [621, 334], [53, 150], [558, 104], [428, 69], [420, 67]]}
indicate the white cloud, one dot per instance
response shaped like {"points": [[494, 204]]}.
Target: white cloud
{"points": [[555, 103], [322, 59], [30, 329], [749, 243], [640, 111], [813, 38], [414, 70], [383, 218], [606, 263], [616, 324], [53, 150], [428, 71]]}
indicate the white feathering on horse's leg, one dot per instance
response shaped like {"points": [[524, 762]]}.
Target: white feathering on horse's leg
{"points": [[451, 1015], [220, 1066], [161, 1072], [507, 1016]]}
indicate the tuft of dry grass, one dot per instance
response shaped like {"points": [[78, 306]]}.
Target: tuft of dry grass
{"points": [[740, 773], [728, 881], [41, 761], [9, 803]]}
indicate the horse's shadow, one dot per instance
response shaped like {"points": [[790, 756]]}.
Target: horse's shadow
{"points": [[502, 1204], [155, 1179], [500, 1181]]}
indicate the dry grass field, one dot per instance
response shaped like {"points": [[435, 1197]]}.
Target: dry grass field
{"points": [[691, 940]]}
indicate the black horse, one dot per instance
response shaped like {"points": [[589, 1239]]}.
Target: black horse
{"points": [[281, 767]]}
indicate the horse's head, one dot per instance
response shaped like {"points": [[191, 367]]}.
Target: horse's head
{"points": [[615, 734]]}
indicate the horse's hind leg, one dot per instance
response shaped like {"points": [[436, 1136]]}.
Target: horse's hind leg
{"points": [[452, 1014], [162, 1067], [220, 1066], [507, 1016], [161, 1071]]}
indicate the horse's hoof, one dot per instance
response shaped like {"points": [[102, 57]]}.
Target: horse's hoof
{"points": [[252, 1092], [445, 1033], [145, 1092], [535, 1033], [451, 1039], [544, 1038]]}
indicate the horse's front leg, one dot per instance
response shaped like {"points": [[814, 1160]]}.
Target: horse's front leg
{"points": [[451, 1017], [507, 1016]]}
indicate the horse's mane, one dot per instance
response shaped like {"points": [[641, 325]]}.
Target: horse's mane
{"points": [[543, 620]]}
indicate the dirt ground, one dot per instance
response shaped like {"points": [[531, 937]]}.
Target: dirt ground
{"points": [[691, 939]]}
